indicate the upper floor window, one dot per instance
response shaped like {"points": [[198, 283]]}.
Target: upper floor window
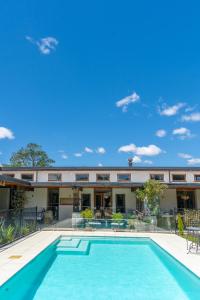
{"points": [[82, 177], [9, 175], [54, 177], [178, 177], [197, 177], [28, 177], [123, 177], [103, 177], [159, 177]]}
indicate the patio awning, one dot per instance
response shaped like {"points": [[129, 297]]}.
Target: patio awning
{"points": [[7, 181]]}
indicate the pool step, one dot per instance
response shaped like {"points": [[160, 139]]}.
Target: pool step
{"points": [[82, 249], [73, 243]]}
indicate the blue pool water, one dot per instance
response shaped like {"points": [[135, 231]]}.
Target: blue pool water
{"points": [[102, 268]]}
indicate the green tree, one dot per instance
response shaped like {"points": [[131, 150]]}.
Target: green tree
{"points": [[150, 194], [31, 156]]}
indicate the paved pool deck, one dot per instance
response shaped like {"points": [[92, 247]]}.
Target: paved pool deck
{"points": [[18, 255]]}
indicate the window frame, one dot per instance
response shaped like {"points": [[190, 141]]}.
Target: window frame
{"points": [[125, 174], [160, 174], [196, 180], [103, 174], [82, 174], [28, 174], [52, 180], [12, 175], [178, 180]]}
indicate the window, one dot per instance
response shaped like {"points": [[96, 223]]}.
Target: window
{"points": [[28, 177], [54, 177], [82, 177], [103, 177], [197, 177], [159, 177], [120, 203], [85, 201], [185, 200], [9, 175], [123, 177], [178, 177]]}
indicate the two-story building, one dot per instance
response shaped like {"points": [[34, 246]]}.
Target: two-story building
{"points": [[67, 189]]}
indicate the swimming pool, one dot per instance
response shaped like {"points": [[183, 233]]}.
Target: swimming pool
{"points": [[102, 268]]}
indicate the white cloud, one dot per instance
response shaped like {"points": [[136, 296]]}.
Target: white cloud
{"points": [[6, 133], [64, 156], [194, 117], [78, 154], [150, 150], [161, 133], [169, 111], [100, 165], [45, 45], [137, 159], [184, 155], [149, 162], [193, 161], [101, 150], [183, 133], [190, 160], [88, 150], [124, 103]]}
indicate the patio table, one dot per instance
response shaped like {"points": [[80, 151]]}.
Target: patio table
{"points": [[195, 232]]}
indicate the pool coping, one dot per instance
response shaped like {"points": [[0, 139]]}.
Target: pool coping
{"points": [[27, 249]]}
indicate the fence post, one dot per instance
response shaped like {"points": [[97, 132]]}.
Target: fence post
{"points": [[36, 210], [20, 221]]}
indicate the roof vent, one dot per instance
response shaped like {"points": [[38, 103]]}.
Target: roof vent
{"points": [[130, 162]]}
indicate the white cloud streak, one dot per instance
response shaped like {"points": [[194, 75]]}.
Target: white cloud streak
{"points": [[125, 102], [161, 133], [169, 111], [184, 155], [88, 150], [193, 161], [78, 154], [6, 133], [45, 45], [194, 117], [101, 150], [183, 133], [150, 150]]}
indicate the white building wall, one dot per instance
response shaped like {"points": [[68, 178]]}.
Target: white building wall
{"points": [[38, 198], [136, 175], [129, 196]]}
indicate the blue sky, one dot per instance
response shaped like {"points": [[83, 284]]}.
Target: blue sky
{"points": [[121, 78]]}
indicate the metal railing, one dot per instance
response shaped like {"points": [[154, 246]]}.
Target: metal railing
{"points": [[17, 223]]}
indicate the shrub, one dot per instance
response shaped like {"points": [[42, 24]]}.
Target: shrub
{"points": [[117, 216], [180, 226], [7, 234], [87, 214]]}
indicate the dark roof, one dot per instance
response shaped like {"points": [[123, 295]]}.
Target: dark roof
{"points": [[14, 181], [133, 168], [109, 184], [86, 184]]}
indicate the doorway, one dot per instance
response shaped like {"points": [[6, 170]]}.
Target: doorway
{"points": [[103, 200], [53, 202], [185, 200]]}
